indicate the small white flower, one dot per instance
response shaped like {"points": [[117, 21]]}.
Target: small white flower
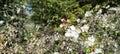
{"points": [[1, 22], [97, 6], [12, 17], [68, 34], [115, 9], [18, 10], [107, 6], [56, 52], [116, 45], [72, 27], [61, 25], [99, 12], [75, 36], [83, 21], [89, 43], [78, 20], [23, 6], [5, 15], [92, 39], [98, 50], [69, 49], [85, 28], [5, 5], [112, 26], [88, 13]]}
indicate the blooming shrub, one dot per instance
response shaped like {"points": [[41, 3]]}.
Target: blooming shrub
{"points": [[59, 27]]}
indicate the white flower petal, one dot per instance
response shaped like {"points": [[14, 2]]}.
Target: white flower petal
{"points": [[1, 22], [92, 39], [88, 13], [68, 34], [83, 21], [98, 50], [72, 27], [56, 52], [99, 12], [18, 10], [85, 28], [78, 20]]}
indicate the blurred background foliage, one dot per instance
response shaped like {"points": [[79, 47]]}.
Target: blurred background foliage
{"points": [[28, 24]]}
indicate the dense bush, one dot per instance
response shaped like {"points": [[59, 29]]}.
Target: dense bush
{"points": [[59, 26]]}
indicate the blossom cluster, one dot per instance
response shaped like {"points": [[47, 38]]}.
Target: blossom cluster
{"points": [[74, 32]]}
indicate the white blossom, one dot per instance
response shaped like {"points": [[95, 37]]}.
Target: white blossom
{"points": [[75, 36], [98, 50], [12, 17], [107, 6], [115, 9], [56, 52], [78, 20], [5, 15], [72, 27], [18, 10], [90, 41], [83, 21], [23, 6], [68, 34], [116, 45], [85, 28], [1, 22], [73, 32], [99, 12], [88, 13]]}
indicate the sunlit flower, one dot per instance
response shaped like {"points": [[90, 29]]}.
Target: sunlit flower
{"points": [[5, 15], [75, 36], [72, 27], [68, 34], [107, 6], [116, 45], [23, 6], [98, 50], [85, 28], [1, 22], [62, 25], [83, 21], [73, 32], [12, 17], [56, 52], [90, 41], [115, 9], [18, 10], [88, 13], [78, 20], [112, 26], [99, 12]]}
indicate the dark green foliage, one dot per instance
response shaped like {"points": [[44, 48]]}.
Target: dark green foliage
{"points": [[51, 11]]}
